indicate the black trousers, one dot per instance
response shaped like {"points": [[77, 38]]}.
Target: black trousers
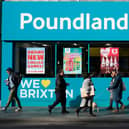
{"points": [[60, 98], [117, 104]]}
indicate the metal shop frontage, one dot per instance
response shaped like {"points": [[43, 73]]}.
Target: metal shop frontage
{"points": [[38, 54]]}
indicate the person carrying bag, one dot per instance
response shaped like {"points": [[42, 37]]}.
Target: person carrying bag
{"points": [[87, 94]]}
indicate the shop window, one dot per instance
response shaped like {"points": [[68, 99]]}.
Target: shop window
{"points": [[73, 58], [120, 60], [34, 59]]}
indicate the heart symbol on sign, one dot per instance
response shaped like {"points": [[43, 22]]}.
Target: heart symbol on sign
{"points": [[45, 83]]}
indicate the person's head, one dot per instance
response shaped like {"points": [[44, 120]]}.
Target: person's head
{"points": [[61, 72], [113, 73], [9, 70]]}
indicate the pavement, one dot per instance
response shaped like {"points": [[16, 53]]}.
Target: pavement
{"points": [[40, 116]]}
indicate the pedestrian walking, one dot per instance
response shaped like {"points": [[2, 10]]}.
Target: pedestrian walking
{"points": [[60, 91], [117, 90], [87, 94], [13, 83]]}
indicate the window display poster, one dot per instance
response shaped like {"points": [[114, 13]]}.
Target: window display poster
{"points": [[35, 60], [72, 60], [109, 59]]}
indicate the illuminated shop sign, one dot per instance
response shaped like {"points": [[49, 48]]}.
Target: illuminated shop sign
{"points": [[79, 21]]}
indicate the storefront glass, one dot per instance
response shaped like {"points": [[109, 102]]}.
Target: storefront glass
{"points": [[38, 89], [20, 58], [123, 61]]}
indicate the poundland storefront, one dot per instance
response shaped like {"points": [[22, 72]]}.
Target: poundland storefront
{"points": [[36, 46]]}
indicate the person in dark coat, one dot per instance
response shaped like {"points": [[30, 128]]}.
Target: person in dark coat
{"points": [[60, 91], [117, 89]]}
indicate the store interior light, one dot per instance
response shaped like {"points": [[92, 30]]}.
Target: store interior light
{"points": [[81, 47], [75, 44], [33, 42], [45, 45], [108, 44]]}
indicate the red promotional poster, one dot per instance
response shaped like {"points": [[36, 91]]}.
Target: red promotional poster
{"points": [[35, 61], [109, 59]]}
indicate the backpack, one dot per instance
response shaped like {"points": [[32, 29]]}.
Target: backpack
{"points": [[17, 78]]}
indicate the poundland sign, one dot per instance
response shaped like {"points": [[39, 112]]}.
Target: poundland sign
{"points": [[84, 21], [65, 21]]}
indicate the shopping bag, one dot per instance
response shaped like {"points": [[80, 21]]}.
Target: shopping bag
{"points": [[83, 92], [92, 92]]}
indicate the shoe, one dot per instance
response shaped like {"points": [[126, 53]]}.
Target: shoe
{"points": [[93, 115], [65, 112], [3, 109], [18, 109], [122, 107], [109, 108], [77, 112], [49, 109], [115, 111]]}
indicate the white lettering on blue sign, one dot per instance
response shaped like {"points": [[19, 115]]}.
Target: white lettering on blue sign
{"points": [[34, 89], [84, 21]]}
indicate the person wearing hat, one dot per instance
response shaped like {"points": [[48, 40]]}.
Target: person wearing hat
{"points": [[12, 83], [60, 91]]}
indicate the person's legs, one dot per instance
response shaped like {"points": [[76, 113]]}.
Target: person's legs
{"points": [[57, 101], [84, 104], [13, 104], [110, 105], [12, 91], [91, 108], [122, 105], [111, 101], [17, 100], [117, 106], [63, 102]]}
